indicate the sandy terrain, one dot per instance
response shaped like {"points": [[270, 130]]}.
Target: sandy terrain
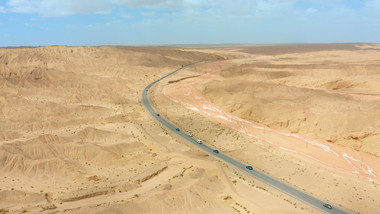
{"points": [[75, 138], [253, 95], [331, 95]]}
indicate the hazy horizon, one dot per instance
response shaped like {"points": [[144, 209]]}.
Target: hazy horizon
{"points": [[196, 45]]}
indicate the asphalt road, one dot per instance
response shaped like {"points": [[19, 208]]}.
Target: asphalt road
{"points": [[286, 188]]}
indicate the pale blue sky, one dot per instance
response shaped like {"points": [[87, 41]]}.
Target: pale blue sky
{"points": [[165, 22]]}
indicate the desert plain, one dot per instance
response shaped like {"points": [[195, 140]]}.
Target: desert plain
{"points": [[75, 137]]}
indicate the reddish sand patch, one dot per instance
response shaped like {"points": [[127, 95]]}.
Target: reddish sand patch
{"points": [[329, 154]]}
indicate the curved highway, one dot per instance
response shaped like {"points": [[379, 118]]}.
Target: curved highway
{"points": [[286, 188]]}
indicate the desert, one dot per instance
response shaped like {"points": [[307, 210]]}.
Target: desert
{"points": [[75, 137]]}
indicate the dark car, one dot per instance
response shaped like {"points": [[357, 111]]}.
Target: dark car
{"points": [[177, 129], [328, 206], [249, 167], [216, 151], [158, 115]]}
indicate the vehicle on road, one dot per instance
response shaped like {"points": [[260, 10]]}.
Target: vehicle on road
{"points": [[199, 141], [276, 183], [249, 167], [158, 115], [190, 135]]}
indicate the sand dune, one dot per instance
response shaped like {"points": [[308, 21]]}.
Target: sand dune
{"points": [[321, 95], [75, 138], [320, 99], [72, 126]]}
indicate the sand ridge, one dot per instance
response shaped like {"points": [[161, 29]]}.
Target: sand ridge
{"points": [[329, 154], [322, 151], [75, 138], [219, 97], [73, 132]]}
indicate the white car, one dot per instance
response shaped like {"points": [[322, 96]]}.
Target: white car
{"points": [[190, 135], [199, 141]]}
